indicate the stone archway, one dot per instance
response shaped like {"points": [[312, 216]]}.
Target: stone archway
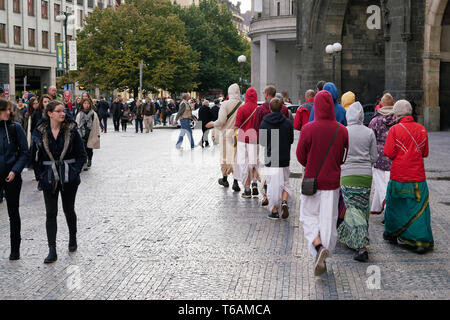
{"points": [[432, 63]]}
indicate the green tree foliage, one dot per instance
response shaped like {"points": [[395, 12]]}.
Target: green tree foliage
{"points": [[211, 32], [113, 42]]}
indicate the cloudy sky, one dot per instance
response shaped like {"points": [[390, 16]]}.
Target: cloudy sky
{"points": [[246, 5]]}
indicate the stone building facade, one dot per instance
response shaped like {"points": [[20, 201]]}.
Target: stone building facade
{"points": [[28, 34], [400, 46]]}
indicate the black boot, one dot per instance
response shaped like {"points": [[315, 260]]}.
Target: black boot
{"points": [[236, 186], [223, 182], [73, 244], [52, 256], [89, 163], [389, 238], [15, 251]]}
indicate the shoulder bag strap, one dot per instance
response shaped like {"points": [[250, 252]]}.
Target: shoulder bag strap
{"points": [[328, 150], [248, 118], [234, 110]]}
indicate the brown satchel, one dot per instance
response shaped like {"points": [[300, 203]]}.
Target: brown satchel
{"points": [[309, 185]]}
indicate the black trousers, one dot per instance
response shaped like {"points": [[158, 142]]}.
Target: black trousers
{"points": [[51, 206], [12, 195], [139, 124], [116, 121], [104, 122], [124, 126]]}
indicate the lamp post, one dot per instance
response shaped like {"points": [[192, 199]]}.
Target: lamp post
{"points": [[241, 60], [333, 49]]}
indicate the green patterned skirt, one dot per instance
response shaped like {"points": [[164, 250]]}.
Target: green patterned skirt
{"points": [[354, 230]]}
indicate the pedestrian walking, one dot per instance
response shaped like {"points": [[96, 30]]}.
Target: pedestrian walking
{"points": [[246, 168], [215, 115], [164, 111], [225, 124], [103, 111], [157, 114], [139, 116], [321, 150], [124, 116], [89, 129], [33, 114], [205, 116], [185, 117], [339, 110], [116, 108], [14, 156], [381, 171], [261, 112], [356, 182], [277, 136], [58, 156], [407, 215], [148, 112], [19, 112], [304, 111]]}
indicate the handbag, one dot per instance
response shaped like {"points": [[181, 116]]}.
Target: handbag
{"points": [[309, 185]]}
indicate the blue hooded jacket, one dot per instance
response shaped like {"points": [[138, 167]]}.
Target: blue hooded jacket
{"points": [[339, 110]]}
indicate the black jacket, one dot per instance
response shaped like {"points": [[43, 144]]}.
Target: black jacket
{"points": [[276, 121], [14, 154], [62, 172], [215, 113], [205, 116], [102, 108], [115, 109]]}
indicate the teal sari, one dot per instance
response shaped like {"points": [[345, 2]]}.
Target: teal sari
{"points": [[407, 215]]}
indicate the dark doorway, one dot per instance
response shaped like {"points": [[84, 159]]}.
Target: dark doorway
{"points": [[444, 85], [37, 80], [363, 54]]}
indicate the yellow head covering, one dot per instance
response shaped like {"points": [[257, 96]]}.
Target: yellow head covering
{"points": [[348, 99]]}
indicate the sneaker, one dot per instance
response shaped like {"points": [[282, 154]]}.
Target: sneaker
{"points": [[420, 250], [236, 187], [224, 183], [179, 147], [284, 210], [255, 192], [362, 256], [247, 194], [265, 202], [274, 216], [389, 238], [320, 266]]}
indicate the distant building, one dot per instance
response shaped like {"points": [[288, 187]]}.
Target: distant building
{"points": [[29, 31]]}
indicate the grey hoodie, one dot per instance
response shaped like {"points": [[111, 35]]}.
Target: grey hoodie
{"points": [[362, 151]]}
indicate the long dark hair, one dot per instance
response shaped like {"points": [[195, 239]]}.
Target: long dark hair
{"points": [[41, 101], [51, 106], [91, 104], [30, 106], [6, 105]]}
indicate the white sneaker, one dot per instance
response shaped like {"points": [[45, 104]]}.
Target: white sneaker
{"points": [[319, 266]]}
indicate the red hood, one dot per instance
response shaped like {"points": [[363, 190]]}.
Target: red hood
{"points": [[324, 106], [251, 97]]}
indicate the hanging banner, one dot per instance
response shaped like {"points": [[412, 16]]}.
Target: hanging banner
{"points": [[72, 55], [60, 55]]}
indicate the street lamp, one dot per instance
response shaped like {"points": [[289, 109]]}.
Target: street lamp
{"points": [[65, 16], [241, 60], [333, 49]]}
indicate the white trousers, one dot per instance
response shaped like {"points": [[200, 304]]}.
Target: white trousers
{"points": [[319, 214], [380, 182], [246, 161], [277, 182]]}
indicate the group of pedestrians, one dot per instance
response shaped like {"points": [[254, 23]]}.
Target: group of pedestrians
{"points": [[343, 161], [57, 146]]}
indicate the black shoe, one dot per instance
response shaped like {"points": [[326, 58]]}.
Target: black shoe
{"points": [[274, 216], [89, 163], [236, 187], [284, 210], [224, 183], [247, 194], [73, 245], [389, 238], [265, 202], [362, 256], [14, 256], [255, 189], [52, 256], [382, 222]]}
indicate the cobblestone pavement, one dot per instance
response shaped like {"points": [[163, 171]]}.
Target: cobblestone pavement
{"points": [[154, 224]]}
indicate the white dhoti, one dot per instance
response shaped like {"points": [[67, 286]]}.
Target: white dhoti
{"points": [[319, 214], [246, 161], [379, 185], [277, 182]]}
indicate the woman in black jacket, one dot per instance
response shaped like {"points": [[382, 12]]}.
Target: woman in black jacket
{"points": [[124, 116], [205, 116], [58, 156], [14, 156]]}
